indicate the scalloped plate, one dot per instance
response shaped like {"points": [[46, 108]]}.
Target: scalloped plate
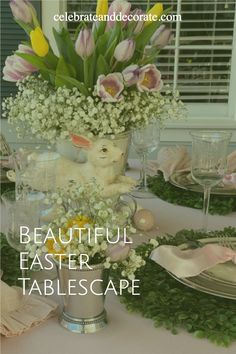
{"points": [[219, 280]]}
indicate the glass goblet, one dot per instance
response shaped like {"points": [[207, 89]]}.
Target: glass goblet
{"points": [[145, 140], [19, 213], [209, 162], [35, 172]]}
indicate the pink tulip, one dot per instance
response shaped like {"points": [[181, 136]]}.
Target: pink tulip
{"points": [[16, 68], [118, 7], [131, 75], [84, 45], [22, 10], [149, 79], [139, 23], [124, 50], [161, 37], [110, 87]]}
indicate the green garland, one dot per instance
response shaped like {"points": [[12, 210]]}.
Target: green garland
{"points": [[220, 205], [173, 305]]}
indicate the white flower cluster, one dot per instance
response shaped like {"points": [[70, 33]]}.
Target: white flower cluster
{"points": [[52, 113], [83, 207]]}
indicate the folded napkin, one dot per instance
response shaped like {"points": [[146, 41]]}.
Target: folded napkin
{"points": [[171, 159], [176, 158], [21, 312], [189, 263]]}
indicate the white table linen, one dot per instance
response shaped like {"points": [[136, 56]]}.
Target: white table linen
{"points": [[126, 333]]}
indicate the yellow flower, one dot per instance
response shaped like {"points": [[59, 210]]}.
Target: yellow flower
{"points": [[102, 7], [50, 246], [156, 10], [39, 43]]}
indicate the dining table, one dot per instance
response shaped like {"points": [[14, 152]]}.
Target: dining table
{"points": [[126, 333]]}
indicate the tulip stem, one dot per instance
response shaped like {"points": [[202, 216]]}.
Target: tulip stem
{"points": [[148, 5], [86, 75]]}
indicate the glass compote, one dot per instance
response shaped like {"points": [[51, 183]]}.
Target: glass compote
{"points": [[209, 162], [145, 140]]}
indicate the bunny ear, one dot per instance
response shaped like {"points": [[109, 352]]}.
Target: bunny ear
{"points": [[81, 141]]}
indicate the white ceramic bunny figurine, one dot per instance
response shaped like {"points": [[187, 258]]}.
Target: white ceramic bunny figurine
{"points": [[102, 154]]}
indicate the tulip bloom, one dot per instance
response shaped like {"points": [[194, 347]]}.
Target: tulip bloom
{"points": [[149, 79], [139, 23], [39, 43], [118, 7], [156, 10], [102, 7], [21, 10], [131, 75], [84, 45], [16, 68], [161, 37], [124, 50], [110, 87]]}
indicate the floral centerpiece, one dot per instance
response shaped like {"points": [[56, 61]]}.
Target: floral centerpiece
{"points": [[103, 81], [84, 207], [87, 237]]}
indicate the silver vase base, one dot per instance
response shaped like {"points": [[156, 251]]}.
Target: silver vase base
{"points": [[83, 325]]}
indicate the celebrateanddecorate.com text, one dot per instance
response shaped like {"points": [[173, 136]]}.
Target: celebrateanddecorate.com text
{"points": [[119, 17]]}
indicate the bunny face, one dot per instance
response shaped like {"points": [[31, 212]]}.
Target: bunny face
{"points": [[103, 153]]}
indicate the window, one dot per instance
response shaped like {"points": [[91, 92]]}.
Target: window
{"points": [[11, 35], [199, 61]]}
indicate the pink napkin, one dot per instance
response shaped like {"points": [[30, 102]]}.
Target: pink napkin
{"points": [[176, 158], [21, 312], [189, 263]]}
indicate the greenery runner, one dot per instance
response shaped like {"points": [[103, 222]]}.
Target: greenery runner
{"points": [[173, 305], [220, 205]]}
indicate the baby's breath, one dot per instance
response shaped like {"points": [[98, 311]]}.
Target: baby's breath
{"points": [[53, 113]]}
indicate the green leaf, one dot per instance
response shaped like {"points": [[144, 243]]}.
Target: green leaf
{"points": [[100, 29], [69, 82], [65, 69], [102, 67], [110, 50], [102, 43], [25, 26], [115, 32], [67, 51]]}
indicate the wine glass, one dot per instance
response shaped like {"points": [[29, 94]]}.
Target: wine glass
{"points": [[209, 162], [35, 172], [145, 140], [19, 213]]}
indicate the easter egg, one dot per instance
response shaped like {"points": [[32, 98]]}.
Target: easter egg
{"points": [[144, 220]]}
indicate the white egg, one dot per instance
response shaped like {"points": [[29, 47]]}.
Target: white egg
{"points": [[144, 220]]}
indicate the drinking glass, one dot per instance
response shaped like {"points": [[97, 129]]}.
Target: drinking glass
{"points": [[35, 172], [209, 162], [19, 213], [145, 140]]}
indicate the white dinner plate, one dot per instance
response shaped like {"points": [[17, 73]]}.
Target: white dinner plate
{"points": [[219, 280]]}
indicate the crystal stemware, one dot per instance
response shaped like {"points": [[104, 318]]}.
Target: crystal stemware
{"points": [[35, 172], [209, 162], [145, 140], [19, 213]]}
